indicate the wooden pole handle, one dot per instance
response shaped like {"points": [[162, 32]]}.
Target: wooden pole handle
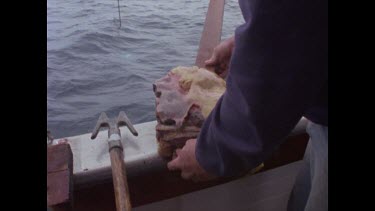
{"points": [[211, 34], [120, 184]]}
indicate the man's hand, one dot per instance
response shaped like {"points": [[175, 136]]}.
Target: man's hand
{"points": [[186, 162], [220, 58]]}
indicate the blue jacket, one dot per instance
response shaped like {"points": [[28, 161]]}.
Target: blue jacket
{"points": [[278, 73]]}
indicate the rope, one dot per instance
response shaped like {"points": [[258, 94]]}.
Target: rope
{"points": [[119, 15]]}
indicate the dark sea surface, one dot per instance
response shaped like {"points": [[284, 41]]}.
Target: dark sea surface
{"points": [[95, 66]]}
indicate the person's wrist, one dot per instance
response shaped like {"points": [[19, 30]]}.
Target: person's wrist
{"points": [[231, 42], [230, 45]]}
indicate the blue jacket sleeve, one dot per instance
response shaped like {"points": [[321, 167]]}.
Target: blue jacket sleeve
{"points": [[278, 68]]}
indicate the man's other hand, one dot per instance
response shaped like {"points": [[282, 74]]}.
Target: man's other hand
{"points": [[219, 61]]}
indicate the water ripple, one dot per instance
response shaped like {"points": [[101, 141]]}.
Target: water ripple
{"points": [[95, 66]]}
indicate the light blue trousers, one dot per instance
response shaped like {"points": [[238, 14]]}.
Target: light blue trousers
{"points": [[310, 192]]}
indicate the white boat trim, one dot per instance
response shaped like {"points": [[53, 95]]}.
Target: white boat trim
{"points": [[91, 162]]}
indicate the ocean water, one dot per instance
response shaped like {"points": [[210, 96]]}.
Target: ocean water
{"points": [[93, 65]]}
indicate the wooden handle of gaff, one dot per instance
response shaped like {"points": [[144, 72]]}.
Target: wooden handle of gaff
{"points": [[120, 184]]}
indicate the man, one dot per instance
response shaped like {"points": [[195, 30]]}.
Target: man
{"points": [[278, 72]]}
